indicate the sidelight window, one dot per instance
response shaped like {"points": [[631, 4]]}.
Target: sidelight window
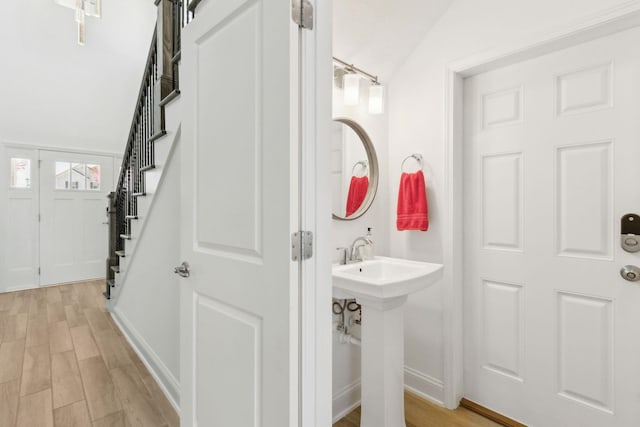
{"points": [[20, 173]]}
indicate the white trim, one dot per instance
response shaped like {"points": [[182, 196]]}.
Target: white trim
{"points": [[75, 150], [424, 386], [316, 71], [604, 23], [159, 371], [20, 288], [346, 400]]}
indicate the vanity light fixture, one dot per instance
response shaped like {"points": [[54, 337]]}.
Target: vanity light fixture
{"points": [[376, 99], [82, 8], [351, 85], [351, 76]]}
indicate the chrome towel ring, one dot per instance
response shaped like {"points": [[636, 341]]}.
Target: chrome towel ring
{"points": [[417, 157], [363, 163]]}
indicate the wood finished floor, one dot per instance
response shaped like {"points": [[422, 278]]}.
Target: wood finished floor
{"points": [[64, 363], [420, 413]]}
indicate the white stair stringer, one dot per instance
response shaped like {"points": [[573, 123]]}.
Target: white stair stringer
{"points": [[163, 152], [145, 301]]}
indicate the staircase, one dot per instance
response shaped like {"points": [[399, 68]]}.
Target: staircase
{"points": [[147, 149]]}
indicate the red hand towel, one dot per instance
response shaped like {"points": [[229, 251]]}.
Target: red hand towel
{"points": [[357, 191], [412, 203]]}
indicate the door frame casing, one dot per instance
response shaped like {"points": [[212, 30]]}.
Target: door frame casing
{"points": [[315, 98], [602, 24]]}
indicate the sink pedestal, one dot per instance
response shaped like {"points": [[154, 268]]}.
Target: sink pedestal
{"points": [[382, 362], [381, 286]]}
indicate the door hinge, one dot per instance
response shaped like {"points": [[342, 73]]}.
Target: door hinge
{"points": [[302, 13], [301, 245], [39, 271]]}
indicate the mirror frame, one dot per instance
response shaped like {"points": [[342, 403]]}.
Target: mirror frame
{"points": [[373, 169]]}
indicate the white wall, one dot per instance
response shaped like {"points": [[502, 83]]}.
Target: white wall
{"points": [[57, 93], [148, 305], [416, 119], [346, 357]]}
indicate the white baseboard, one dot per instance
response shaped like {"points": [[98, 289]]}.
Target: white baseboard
{"points": [[346, 400], [165, 379], [423, 385], [20, 288]]}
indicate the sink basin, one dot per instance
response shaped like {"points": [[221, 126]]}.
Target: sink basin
{"points": [[383, 278]]}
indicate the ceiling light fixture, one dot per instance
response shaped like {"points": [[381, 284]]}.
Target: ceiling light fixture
{"points": [[351, 76], [82, 8]]}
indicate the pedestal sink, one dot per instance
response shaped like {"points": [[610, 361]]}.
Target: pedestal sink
{"points": [[381, 286]]}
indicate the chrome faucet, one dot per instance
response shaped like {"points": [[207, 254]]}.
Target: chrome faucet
{"points": [[354, 255]]}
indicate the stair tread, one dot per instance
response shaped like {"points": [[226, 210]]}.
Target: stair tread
{"points": [[139, 194], [120, 254], [131, 217], [157, 136], [115, 268], [147, 168], [125, 236], [167, 99], [106, 295], [111, 283]]}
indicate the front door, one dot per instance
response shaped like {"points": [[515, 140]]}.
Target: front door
{"points": [[73, 221], [551, 165], [239, 352]]}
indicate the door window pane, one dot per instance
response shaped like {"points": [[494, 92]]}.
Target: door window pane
{"points": [[93, 177], [20, 173], [78, 176], [63, 175]]}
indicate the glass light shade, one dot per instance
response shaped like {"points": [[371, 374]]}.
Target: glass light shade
{"points": [[81, 33], [376, 99], [351, 85]]}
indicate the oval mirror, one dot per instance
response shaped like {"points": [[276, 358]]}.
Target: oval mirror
{"points": [[354, 170]]}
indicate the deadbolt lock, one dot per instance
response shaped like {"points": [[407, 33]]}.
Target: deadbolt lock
{"points": [[630, 233]]}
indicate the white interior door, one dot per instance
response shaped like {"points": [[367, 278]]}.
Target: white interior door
{"points": [[19, 183], [551, 164], [73, 222], [239, 352]]}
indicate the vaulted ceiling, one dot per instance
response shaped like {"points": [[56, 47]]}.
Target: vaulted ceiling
{"points": [[55, 92], [378, 35]]}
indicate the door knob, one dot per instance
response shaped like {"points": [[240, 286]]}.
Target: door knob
{"points": [[182, 270], [630, 273]]}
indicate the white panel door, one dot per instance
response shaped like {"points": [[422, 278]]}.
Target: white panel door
{"points": [[551, 165], [73, 224], [20, 220], [239, 349]]}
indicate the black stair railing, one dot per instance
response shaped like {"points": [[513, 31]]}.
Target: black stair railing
{"points": [[159, 86], [176, 15], [138, 157]]}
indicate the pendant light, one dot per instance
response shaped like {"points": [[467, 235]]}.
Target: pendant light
{"points": [[82, 8]]}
